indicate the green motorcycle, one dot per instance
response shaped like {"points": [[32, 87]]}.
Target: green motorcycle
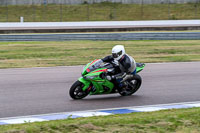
{"points": [[94, 82]]}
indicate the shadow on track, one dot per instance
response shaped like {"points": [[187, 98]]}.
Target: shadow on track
{"points": [[108, 98]]}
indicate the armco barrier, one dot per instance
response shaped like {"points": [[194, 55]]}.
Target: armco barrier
{"points": [[104, 36]]}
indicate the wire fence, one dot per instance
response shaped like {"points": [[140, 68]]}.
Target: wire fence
{"points": [[105, 11]]}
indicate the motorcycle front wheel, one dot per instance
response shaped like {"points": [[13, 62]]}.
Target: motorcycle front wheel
{"points": [[132, 85], [76, 91]]}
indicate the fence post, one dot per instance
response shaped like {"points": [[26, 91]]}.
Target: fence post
{"points": [[44, 4], [169, 11], [88, 12], [61, 11], [142, 11], [21, 19], [33, 9], [6, 11], [110, 15], [115, 13], [196, 8]]}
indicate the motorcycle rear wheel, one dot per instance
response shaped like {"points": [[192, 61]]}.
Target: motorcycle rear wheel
{"points": [[132, 87], [76, 91]]}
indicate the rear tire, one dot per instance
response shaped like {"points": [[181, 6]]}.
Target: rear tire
{"points": [[76, 91], [132, 87]]}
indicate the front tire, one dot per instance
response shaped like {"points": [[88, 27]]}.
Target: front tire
{"points": [[133, 84], [76, 91]]}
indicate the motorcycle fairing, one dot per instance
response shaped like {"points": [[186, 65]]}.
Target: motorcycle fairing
{"points": [[97, 81], [139, 67]]}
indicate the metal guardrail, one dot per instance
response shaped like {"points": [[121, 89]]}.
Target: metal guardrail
{"points": [[64, 10], [104, 36]]}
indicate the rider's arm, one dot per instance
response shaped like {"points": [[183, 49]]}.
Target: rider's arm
{"points": [[108, 58]]}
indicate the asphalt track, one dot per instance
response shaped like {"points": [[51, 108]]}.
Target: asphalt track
{"points": [[31, 91]]}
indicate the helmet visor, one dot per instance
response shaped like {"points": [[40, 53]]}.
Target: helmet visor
{"points": [[115, 55]]}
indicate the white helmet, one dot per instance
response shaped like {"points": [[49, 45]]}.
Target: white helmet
{"points": [[118, 51]]}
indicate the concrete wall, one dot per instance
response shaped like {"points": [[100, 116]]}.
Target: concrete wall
{"points": [[29, 2]]}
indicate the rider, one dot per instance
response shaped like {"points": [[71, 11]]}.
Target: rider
{"points": [[126, 64]]}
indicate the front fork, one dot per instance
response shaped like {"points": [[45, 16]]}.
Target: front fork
{"points": [[85, 82]]}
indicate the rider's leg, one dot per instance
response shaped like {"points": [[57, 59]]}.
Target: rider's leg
{"points": [[134, 72]]}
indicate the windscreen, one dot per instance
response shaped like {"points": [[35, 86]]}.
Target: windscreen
{"points": [[94, 66]]}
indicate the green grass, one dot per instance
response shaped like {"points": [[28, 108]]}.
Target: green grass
{"points": [[165, 121], [45, 54], [99, 12]]}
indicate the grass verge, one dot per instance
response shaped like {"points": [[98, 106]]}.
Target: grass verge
{"points": [[45, 54], [104, 11], [179, 121]]}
